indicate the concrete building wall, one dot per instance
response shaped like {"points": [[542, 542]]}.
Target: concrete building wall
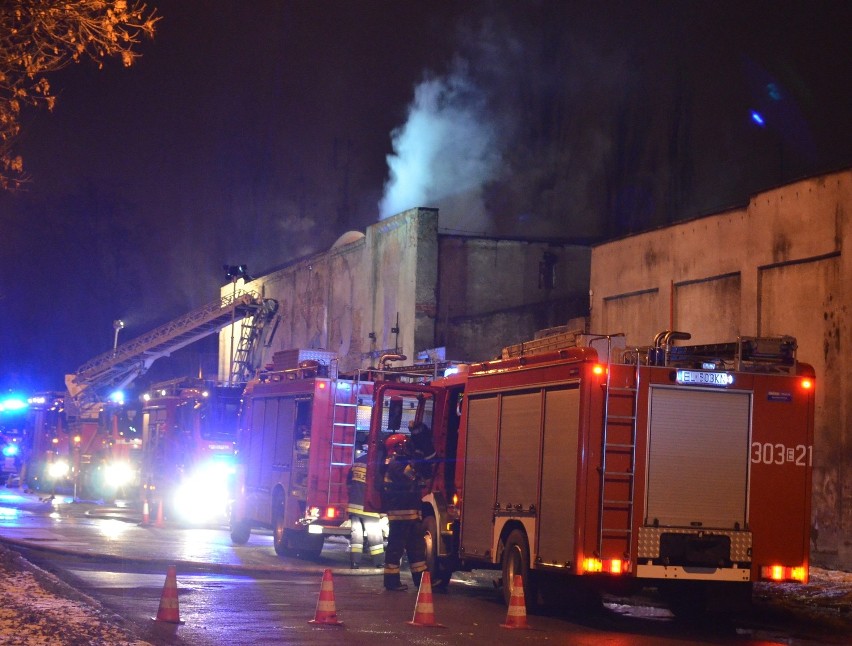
{"points": [[495, 293], [347, 299], [779, 265], [472, 296]]}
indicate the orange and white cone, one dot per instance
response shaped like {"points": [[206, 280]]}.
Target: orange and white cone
{"points": [[516, 617], [424, 610], [326, 614], [169, 611], [146, 513]]}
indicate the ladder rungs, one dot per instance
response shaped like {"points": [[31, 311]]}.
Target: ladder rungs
{"points": [[620, 418], [620, 389], [340, 464], [347, 444], [343, 424], [626, 503], [614, 530], [345, 404], [614, 445], [618, 474]]}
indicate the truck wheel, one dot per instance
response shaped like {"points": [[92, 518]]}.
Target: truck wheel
{"points": [[516, 561], [440, 576], [310, 546], [279, 533], [240, 532]]}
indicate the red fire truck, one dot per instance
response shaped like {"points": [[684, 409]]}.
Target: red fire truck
{"points": [[93, 456], [299, 427], [581, 465], [46, 453], [189, 429], [106, 451]]}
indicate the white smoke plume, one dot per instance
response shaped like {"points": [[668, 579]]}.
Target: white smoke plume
{"points": [[444, 154]]}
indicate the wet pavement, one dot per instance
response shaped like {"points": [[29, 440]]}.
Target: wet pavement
{"points": [[90, 528]]}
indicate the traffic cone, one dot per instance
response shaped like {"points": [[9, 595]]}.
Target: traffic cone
{"points": [[516, 617], [326, 613], [159, 522], [169, 611], [424, 611], [146, 513]]}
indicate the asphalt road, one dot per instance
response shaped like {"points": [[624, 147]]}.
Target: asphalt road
{"points": [[248, 595]]}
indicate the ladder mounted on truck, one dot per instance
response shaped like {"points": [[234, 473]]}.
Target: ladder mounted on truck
{"points": [[96, 379], [245, 359], [618, 457]]}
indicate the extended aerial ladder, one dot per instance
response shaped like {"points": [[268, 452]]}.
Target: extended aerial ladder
{"points": [[95, 380]]}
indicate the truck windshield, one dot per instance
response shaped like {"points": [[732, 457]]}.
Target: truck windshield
{"points": [[220, 415]]}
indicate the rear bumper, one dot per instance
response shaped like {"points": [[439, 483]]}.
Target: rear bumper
{"points": [[693, 573], [326, 530]]}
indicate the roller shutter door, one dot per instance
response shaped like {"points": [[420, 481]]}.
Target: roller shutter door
{"points": [[698, 458]]}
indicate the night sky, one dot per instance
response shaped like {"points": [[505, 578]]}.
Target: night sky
{"points": [[258, 131]]}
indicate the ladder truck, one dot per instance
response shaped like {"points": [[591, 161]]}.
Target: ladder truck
{"points": [[97, 450], [585, 466]]}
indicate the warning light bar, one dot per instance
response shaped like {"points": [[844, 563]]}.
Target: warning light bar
{"points": [[798, 574], [607, 566]]}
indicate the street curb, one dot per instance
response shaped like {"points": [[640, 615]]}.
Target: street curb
{"points": [[197, 566]]}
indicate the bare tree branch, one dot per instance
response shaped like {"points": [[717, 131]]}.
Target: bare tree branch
{"points": [[38, 37]]}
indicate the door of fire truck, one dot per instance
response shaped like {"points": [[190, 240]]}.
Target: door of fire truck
{"points": [[396, 407]]}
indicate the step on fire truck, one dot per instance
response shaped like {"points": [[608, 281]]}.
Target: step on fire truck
{"points": [[585, 466], [300, 425]]}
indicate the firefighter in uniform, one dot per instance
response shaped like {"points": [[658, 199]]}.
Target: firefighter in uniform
{"points": [[364, 524], [401, 502]]}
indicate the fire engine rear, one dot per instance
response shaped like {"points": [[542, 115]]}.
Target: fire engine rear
{"points": [[578, 463], [298, 427]]}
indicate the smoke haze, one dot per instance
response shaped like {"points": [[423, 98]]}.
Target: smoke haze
{"points": [[445, 153]]}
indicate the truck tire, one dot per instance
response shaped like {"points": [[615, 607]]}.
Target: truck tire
{"points": [[309, 546], [279, 533], [516, 561], [439, 575], [240, 531]]}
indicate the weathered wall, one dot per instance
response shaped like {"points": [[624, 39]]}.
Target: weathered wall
{"points": [[334, 300], [776, 266], [494, 293], [470, 295]]}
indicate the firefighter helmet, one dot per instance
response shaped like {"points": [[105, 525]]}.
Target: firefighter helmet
{"points": [[396, 443]]}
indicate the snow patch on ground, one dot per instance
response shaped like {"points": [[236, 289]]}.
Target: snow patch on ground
{"points": [[37, 609]]}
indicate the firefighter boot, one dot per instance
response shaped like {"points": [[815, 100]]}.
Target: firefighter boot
{"points": [[393, 583]]}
